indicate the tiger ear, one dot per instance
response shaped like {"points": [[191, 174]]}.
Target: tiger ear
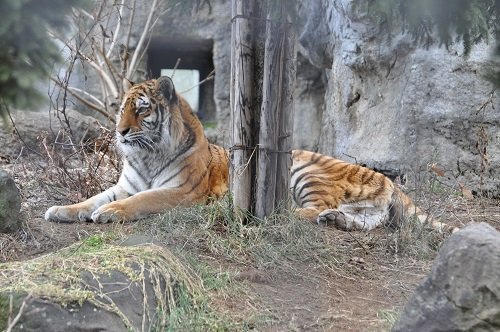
{"points": [[165, 86], [127, 84]]}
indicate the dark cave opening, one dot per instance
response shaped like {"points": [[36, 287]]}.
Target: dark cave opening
{"points": [[196, 62]]}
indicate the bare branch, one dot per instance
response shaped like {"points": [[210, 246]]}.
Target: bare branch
{"points": [[138, 49], [144, 50], [102, 37], [117, 30], [19, 314], [86, 13], [92, 106], [98, 106], [175, 67], [111, 67], [100, 71], [209, 77], [125, 54], [95, 99]]}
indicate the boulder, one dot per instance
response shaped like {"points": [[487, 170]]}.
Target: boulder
{"points": [[33, 126], [462, 291], [97, 286], [34, 131], [10, 204]]}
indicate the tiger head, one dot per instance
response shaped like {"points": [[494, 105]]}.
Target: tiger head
{"points": [[148, 116]]}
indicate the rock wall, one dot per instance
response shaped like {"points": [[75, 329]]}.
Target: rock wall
{"points": [[309, 103], [399, 108]]}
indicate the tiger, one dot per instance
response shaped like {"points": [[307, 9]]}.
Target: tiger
{"points": [[349, 196], [168, 162]]}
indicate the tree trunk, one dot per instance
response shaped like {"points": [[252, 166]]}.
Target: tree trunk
{"points": [[242, 59]]}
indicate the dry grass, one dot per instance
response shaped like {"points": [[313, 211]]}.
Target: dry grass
{"points": [[285, 245], [280, 239], [219, 249], [211, 230]]}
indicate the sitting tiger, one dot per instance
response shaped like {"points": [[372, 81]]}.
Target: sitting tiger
{"points": [[168, 162]]}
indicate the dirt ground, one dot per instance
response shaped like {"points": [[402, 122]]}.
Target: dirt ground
{"points": [[322, 301], [364, 295]]}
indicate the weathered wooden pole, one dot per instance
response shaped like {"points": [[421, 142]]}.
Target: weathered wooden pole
{"points": [[272, 102], [285, 126], [242, 80]]}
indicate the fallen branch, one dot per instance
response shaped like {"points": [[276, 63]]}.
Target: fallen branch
{"points": [[19, 313]]}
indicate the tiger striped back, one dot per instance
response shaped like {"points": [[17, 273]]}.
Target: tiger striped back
{"points": [[348, 196]]}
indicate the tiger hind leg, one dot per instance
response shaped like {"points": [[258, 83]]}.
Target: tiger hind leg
{"points": [[323, 216], [361, 216], [308, 213]]}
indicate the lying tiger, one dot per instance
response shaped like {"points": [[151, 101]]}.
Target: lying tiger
{"points": [[168, 162]]}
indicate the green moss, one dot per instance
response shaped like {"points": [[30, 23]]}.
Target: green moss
{"points": [[94, 242], [211, 125], [390, 316], [4, 312]]}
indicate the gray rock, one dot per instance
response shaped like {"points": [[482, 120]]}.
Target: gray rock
{"points": [[316, 36], [33, 125], [462, 291], [308, 105], [10, 204], [43, 315], [94, 286]]}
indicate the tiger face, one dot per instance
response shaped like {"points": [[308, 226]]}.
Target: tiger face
{"points": [[143, 117]]}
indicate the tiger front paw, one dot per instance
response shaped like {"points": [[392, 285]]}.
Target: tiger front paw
{"points": [[68, 214], [335, 218], [111, 212]]}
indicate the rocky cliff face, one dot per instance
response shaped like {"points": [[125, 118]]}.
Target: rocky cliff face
{"points": [[400, 108], [388, 105]]}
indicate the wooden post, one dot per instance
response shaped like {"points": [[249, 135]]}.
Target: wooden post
{"points": [[242, 79], [269, 117], [285, 126]]}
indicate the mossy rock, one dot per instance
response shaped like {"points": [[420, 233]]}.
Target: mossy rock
{"points": [[97, 286]]}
